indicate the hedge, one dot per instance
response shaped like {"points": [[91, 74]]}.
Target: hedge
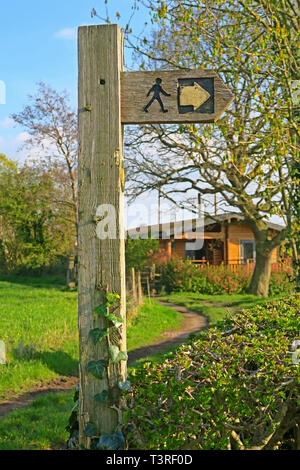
{"points": [[180, 275], [235, 386]]}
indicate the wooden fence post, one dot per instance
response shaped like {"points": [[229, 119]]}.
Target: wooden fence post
{"points": [[139, 288], [148, 286], [133, 287], [101, 261]]}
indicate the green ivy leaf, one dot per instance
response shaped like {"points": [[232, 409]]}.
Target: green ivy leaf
{"points": [[111, 298], [89, 430], [101, 397], [97, 334], [116, 355], [96, 368], [113, 441], [116, 321], [100, 310]]}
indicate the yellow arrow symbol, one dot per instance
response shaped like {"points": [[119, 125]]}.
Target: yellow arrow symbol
{"points": [[193, 95]]}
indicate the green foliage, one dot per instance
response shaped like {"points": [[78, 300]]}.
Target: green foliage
{"points": [[180, 275], [116, 321], [281, 283], [233, 387], [104, 309], [98, 334], [101, 397], [113, 441], [89, 430], [136, 252], [250, 156], [97, 368], [34, 232]]}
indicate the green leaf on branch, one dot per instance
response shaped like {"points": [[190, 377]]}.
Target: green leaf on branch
{"points": [[96, 368], [89, 430], [101, 397], [116, 355], [113, 441], [97, 334]]}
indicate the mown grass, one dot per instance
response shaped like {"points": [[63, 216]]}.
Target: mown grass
{"points": [[39, 426], [214, 307], [38, 323], [39, 327], [153, 319]]}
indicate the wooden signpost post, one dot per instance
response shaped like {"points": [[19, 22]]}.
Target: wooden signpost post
{"points": [[108, 97]]}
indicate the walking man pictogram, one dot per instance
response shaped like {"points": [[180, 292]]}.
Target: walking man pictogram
{"points": [[157, 90]]}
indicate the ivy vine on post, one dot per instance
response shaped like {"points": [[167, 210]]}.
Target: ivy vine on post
{"points": [[101, 252]]}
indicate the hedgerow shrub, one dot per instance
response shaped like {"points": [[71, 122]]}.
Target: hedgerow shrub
{"points": [[233, 387], [281, 283], [180, 275]]}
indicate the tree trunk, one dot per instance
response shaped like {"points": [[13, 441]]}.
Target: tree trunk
{"points": [[259, 284]]}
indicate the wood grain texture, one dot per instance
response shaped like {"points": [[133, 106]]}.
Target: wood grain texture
{"points": [[101, 262], [136, 85]]}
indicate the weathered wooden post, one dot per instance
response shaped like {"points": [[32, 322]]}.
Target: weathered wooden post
{"points": [[134, 288], [101, 258], [139, 288]]}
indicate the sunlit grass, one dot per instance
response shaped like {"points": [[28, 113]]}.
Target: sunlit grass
{"points": [[38, 323]]}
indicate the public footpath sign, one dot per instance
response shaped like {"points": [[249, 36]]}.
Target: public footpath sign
{"points": [[108, 98], [173, 97]]}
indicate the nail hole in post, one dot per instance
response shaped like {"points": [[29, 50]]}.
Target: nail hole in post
{"points": [[102, 81]]}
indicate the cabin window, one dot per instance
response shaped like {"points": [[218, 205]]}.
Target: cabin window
{"points": [[194, 254], [248, 252]]}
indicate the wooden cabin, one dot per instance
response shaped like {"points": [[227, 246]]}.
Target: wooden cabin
{"points": [[226, 239]]}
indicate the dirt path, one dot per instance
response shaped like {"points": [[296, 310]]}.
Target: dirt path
{"points": [[60, 385], [193, 322]]}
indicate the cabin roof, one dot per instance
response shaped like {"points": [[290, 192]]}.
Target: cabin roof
{"points": [[185, 226]]}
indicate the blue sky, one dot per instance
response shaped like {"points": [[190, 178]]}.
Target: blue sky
{"points": [[38, 43]]}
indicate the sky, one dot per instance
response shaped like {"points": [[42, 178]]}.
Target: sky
{"points": [[38, 42]]}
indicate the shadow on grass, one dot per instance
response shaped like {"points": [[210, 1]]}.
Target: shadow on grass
{"points": [[57, 361], [36, 282], [60, 362]]}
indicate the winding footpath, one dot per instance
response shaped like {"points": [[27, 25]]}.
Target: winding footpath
{"points": [[193, 322]]}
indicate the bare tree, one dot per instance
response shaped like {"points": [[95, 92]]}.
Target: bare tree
{"points": [[247, 156], [52, 127]]}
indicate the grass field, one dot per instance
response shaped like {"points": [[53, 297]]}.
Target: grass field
{"points": [[214, 307], [39, 326], [39, 426]]}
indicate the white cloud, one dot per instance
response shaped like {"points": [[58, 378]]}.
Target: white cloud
{"points": [[67, 33], [7, 122], [22, 137]]}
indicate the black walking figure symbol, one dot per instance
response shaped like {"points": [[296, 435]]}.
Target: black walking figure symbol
{"points": [[156, 90]]}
